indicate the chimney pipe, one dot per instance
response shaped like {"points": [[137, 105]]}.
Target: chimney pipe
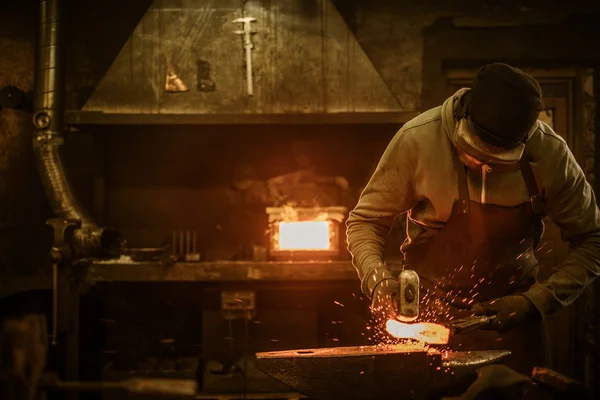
{"points": [[88, 239]]}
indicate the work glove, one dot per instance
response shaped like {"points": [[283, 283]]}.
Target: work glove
{"points": [[510, 311], [383, 304]]}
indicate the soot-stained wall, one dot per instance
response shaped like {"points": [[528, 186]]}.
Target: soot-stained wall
{"points": [[23, 206], [219, 180]]}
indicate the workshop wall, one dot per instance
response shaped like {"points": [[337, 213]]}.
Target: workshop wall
{"points": [[23, 206], [394, 35], [219, 180], [149, 180], [160, 178], [405, 43]]}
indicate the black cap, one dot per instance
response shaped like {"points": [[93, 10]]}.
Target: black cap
{"points": [[504, 103]]}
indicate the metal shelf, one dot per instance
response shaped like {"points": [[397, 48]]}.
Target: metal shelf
{"points": [[223, 271], [74, 117]]}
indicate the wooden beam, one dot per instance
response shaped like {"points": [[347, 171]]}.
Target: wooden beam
{"points": [[98, 118]]}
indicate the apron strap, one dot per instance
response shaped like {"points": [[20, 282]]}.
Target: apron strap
{"points": [[463, 185], [537, 201]]}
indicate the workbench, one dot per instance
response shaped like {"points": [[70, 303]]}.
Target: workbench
{"points": [[298, 304], [222, 271]]}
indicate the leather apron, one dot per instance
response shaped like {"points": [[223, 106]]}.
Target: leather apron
{"points": [[484, 251]]}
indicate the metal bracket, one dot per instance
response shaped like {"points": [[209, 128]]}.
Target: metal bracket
{"points": [[62, 237], [238, 304], [61, 251]]}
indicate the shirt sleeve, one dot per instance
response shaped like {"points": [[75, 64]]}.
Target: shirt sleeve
{"points": [[571, 204], [389, 192]]}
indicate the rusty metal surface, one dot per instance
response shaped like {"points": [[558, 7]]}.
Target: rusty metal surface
{"points": [[317, 68], [375, 372], [346, 351], [473, 359]]}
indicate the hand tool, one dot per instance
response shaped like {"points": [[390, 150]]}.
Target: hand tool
{"points": [[468, 324], [247, 32], [407, 301], [173, 83]]}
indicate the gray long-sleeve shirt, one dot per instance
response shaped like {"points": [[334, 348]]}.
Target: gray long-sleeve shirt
{"points": [[416, 175]]}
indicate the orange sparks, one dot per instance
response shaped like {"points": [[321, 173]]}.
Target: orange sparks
{"points": [[425, 332]]}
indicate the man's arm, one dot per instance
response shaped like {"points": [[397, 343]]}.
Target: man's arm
{"points": [[571, 203], [390, 192]]}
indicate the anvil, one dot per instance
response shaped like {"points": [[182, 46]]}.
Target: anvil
{"points": [[376, 372]]}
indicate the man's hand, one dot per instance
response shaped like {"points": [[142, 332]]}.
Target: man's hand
{"points": [[383, 305], [510, 311]]}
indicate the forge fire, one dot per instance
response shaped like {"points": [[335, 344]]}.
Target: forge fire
{"points": [[305, 232], [304, 235]]}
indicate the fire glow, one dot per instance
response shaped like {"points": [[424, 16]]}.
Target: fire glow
{"points": [[425, 332], [304, 235]]}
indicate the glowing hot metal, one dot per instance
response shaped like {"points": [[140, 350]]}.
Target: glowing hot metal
{"points": [[425, 332]]}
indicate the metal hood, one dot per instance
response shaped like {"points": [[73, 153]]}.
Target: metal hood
{"points": [[305, 60]]}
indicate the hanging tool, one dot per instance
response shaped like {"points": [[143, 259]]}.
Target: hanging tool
{"points": [[173, 83], [247, 32], [205, 82]]}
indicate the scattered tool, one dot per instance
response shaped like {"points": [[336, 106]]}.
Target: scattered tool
{"points": [[247, 32]]}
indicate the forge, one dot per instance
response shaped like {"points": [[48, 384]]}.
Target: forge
{"points": [[376, 372]]}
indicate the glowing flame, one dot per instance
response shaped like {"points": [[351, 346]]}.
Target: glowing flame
{"points": [[426, 332], [304, 235]]}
